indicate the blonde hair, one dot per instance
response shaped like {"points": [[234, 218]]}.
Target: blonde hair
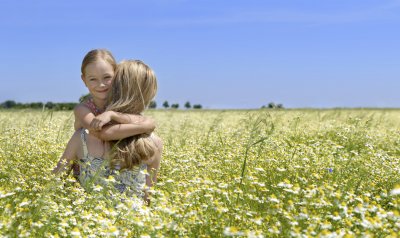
{"points": [[95, 55], [133, 88]]}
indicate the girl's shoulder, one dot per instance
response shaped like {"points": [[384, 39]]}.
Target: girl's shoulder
{"points": [[80, 112], [89, 103], [87, 106], [81, 107]]}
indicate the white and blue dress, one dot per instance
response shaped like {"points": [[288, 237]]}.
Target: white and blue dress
{"points": [[96, 171]]}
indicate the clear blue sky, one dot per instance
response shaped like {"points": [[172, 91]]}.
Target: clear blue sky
{"points": [[221, 54]]}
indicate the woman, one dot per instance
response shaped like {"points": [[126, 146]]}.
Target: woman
{"points": [[132, 90]]}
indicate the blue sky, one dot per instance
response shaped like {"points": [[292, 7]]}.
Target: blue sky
{"points": [[221, 54]]}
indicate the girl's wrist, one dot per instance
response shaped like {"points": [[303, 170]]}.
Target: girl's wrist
{"points": [[113, 115]]}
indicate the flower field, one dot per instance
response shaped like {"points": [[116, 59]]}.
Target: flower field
{"points": [[261, 173]]}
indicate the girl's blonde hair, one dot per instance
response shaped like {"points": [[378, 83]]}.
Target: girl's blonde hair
{"points": [[95, 55], [133, 88]]}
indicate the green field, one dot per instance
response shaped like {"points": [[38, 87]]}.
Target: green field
{"points": [[261, 173]]}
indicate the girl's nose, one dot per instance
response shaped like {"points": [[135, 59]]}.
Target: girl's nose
{"points": [[104, 82]]}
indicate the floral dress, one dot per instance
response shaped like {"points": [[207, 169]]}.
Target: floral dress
{"points": [[96, 171]]}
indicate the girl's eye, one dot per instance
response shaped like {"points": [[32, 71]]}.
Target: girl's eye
{"points": [[92, 79]]}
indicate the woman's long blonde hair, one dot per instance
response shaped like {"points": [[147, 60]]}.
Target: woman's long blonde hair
{"points": [[133, 88]]}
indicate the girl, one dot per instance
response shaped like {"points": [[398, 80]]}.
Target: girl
{"points": [[134, 86], [98, 68]]}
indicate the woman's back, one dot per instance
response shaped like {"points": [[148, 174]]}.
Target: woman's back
{"points": [[95, 170]]}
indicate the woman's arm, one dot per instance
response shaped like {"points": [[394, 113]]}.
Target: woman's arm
{"points": [[153, 167], [69, 155]]}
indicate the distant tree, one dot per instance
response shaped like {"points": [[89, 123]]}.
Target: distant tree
{"points": [[175, 105], [50, 105], [70, 105], [187, 105], [197, 106], [166, 104], [21, 105], [271, 105], [280, 105], [8, 104], [153, 104], [263, 106], [65, 106], [84, 97], [36, 105]]}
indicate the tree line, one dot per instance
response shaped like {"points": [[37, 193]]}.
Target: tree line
{"points": [[9, 104], [166, 105], [272, 105], [70, 105]]}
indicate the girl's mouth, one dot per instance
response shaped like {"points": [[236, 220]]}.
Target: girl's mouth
{"points": [[103, 91]]}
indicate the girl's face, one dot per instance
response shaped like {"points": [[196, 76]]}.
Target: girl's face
{"points": [[98, 77]]}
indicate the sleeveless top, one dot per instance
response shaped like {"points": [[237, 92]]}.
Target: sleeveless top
{"points": [[93, 108], [89, 103], [96, 171]]}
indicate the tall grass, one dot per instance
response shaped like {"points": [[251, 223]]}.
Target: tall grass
{"points": [[283, 173]]}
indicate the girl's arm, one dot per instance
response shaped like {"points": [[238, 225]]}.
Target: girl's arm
{"points": [[129, 125], [121, 131], [69, 154], [83, 117], [121, 118]]}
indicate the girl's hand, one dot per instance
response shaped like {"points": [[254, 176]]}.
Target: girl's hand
{"points": [[99, 121], [146, 198]]}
